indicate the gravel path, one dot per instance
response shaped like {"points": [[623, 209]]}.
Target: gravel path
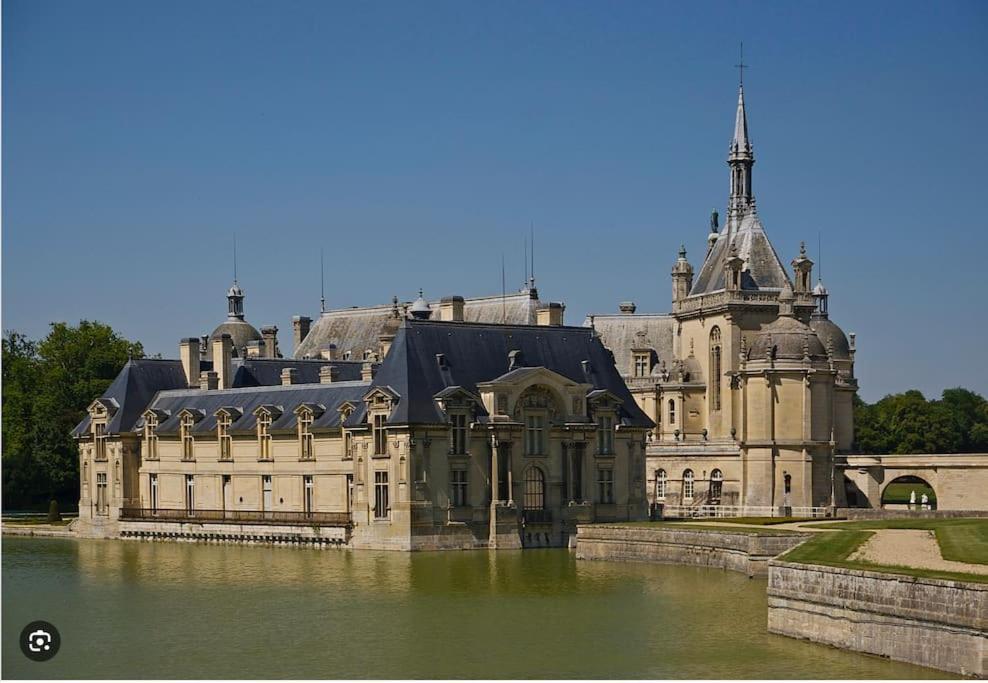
{"points": [[910, 548]]}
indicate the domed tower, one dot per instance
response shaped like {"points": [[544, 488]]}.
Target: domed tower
{"points": [[420, 309], [682, 276], [841, 354], [241, 332], [787, 380]]}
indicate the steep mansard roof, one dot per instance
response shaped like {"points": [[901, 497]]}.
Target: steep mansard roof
{"points": [[475, 353], [762, 267], [356, 329], [622, 332]]}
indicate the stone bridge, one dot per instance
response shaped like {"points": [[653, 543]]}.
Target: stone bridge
{"points": [[960, 480]]}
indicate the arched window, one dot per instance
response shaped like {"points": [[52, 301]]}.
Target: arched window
{"points": [[716, 485], [672, 411], [534, 489], [688, 485], [661, 481], [716, 369]]}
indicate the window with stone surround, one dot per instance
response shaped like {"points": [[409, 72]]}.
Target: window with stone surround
{"points": [[661, 484], [535, 435], [223, 422], [305, 440], [380, 435], [99, 440], [605, 434], [688, 485], [716, 370], [458, 487], [185, 435], [605, 485], [151, 437], [264, 436], [458, 434], [381, 495]]}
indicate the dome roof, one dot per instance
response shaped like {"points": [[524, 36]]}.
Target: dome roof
{"points": [[786, 337], [420, 307], [826, 330], [240, 331]]}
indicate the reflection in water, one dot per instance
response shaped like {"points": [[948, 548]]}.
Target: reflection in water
{"points": [[166, 610]]}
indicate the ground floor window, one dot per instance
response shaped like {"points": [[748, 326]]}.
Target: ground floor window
{"points": [[605, 485], [458, 488], [190, 493], [308, 490], [534, 489], [688, 485], [102, 501], [716, 485], [153, 487], [380, 495], [661, 482]]}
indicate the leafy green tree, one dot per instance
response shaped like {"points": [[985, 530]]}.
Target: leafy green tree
{"points": [[908, 423], [20, 377]]}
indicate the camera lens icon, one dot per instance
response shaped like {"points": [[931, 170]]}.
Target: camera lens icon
{"points": [[40, 641]]}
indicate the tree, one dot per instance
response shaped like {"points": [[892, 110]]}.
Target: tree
{"points": [[908, 423], [55, 381]]}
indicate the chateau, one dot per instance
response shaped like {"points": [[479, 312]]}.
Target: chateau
{"points": [[485, 422], [749, 382]]}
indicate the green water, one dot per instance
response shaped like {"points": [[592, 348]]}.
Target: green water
{"points": [[172, 610]]}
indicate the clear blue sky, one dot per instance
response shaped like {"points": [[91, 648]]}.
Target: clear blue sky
{"points": [[416, 141]]}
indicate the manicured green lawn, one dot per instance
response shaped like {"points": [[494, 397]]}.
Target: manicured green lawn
{"points": [[962, 540], [761, 521]]}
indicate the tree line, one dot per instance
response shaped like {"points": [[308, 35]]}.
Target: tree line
{"points": [[48, 384]]}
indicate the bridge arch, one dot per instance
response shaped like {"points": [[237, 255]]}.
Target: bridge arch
{"points": [[897, 491]]}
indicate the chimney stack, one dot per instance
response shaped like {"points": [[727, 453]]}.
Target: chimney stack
{"points": [[223, 360], [451, 308], [367, 371], [255, 349], [328, 352], [289, 376], [627, 307], [188, 351], [550, 314], [270, 335], [329, 374], [208, 380], [300, 329]]}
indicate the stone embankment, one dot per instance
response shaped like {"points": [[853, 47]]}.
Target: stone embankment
{"points": [[743, 551], [866, 514], [929, 622], [51, 530]]}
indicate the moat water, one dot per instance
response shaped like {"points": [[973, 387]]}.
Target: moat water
{"points": [[128, 609]]}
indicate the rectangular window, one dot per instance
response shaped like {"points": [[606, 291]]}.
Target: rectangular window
{"points": [[459, 434], [380, 436], [642, 365], [458, 488], [190, 494], [305, 435], [223, 436], [151, 438], [380, 495], [605, 486], [99, 438], [102, 501], [264, 436], [349, 493], [308, 490], [267, 494], [153, 489], [535, 435], [605, 435], [185, 433]]}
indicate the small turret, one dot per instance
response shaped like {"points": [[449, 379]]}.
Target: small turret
{"points": [[682, 277], [420, 309], [802, 268]]}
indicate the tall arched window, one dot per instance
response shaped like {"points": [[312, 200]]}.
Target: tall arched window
{"points": [[716, 485], [716, 369], [688, 485], [534, 489], [661, 481], [672, 411]]}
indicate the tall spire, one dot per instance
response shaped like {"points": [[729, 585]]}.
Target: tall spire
{"points": [[740, 158], [235, 295]]}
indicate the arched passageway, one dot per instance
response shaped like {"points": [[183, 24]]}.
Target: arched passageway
{"points": [[909, 492]]}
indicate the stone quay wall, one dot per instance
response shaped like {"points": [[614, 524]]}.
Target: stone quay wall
{"points": [[195, 532], [748, 553], [929, 622]]}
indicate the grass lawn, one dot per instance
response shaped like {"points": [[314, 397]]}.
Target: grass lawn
{"points": [[714, 525], [761, 521], [962, 540]]}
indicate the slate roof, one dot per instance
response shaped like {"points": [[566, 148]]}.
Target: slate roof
{"points": [[473, 353], [285, 398], [256, 372], [133, 389], [762, 268], [357, 329], [622, 332]]}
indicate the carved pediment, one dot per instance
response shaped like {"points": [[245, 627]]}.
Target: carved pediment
{"points": [[103, 407]]}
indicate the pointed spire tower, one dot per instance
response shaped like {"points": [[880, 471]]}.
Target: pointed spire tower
{"points": [[740, 159]]}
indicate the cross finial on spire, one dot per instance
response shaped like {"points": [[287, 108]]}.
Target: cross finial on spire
{"points": [[741, 66], [234, 258]]}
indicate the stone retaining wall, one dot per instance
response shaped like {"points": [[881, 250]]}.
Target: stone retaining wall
{"points": [[930, 622], [235, 533], [748, 553], [853, 514]]}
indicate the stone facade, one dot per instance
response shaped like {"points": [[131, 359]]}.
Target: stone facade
{"points": [[748, 381], [930, 622]]}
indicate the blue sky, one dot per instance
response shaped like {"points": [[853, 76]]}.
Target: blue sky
{"points": [[416, 142]]}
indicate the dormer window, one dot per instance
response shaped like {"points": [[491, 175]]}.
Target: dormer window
{"points": [[605, 434], [185, 435], [458, 433], [264, 436], [380, 435], [643, 364], [223, 422], [151, 436], [99, 440], [535, 435], [305, 419]]}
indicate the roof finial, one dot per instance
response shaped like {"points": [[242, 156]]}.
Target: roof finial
{"points": [[234, 258], [531, 228], [322, 284], [741, 66]]}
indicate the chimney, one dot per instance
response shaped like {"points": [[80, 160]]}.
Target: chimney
{"points": [[367, 371], [289, 376], [270, 335], [329, 374], [451, 308], [208, 380], [204, 346], [255, 349], [627, 307], [188, 351], [300, 329], [328, 352], [550, 314], [223, 360]]}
